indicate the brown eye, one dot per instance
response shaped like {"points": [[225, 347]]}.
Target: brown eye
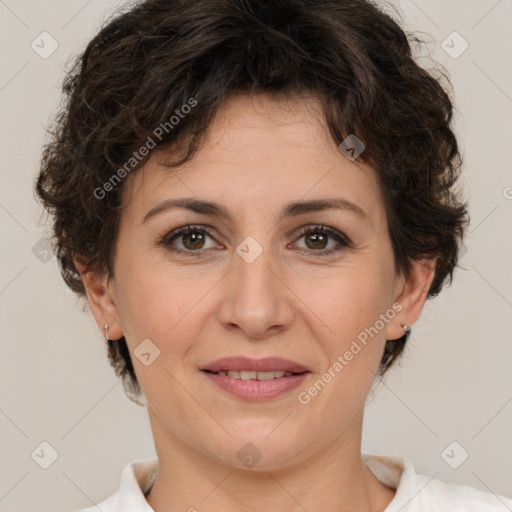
{"points": [[318, 238], [193, 240], [188, 239]]}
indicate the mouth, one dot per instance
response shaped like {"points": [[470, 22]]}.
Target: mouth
{"points": [[255, 379], [252, 375], [248, 366]]}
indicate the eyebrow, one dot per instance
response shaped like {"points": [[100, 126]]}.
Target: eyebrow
{"points": [[291, 209]]}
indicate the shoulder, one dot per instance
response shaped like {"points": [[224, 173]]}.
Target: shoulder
{"points": [[422, 493], [111, 504], [457, 498]]}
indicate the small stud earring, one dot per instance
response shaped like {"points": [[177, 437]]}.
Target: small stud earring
{"points": [[105, 327], [406, 328]]}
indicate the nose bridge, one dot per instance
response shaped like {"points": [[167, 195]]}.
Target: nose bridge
{"points": [[256, 299], [252, 266]]}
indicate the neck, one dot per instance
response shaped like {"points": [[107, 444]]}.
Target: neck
{"points": [[334, 480]]}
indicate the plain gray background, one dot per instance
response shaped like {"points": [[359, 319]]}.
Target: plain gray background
{"points": [[453, 384]]}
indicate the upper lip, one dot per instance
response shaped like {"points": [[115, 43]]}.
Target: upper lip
{"points": [[266, 364]]}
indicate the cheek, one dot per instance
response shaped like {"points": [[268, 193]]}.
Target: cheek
{"points": [[347, 301], [161, 303], [351, 336]]}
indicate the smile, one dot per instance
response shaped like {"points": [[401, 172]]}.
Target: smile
{"points": [[252, 375], [255, 380]]}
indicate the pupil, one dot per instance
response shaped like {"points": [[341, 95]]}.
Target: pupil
{"points": [[320, 236], [196, 237]]}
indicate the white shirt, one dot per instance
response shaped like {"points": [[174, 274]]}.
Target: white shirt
{"points": [[414, 492]]}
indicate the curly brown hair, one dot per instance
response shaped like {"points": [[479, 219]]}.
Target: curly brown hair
{"points": [[146, 63]]}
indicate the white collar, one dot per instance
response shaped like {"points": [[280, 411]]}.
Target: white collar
{"points": [[414, 491]]}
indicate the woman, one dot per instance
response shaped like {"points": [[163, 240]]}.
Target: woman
{"points": [[257, 198]]}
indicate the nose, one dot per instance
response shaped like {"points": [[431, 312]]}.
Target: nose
{"points": [[256, 298]]}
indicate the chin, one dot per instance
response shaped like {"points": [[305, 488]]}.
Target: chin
{"points": [[260, 448]]}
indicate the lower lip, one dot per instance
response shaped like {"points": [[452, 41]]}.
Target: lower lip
{"points": [[257, 390]]}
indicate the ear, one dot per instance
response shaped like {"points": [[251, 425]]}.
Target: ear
{"points": [[101, 300], [411, 293]]}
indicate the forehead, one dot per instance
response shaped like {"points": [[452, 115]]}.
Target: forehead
{"points": [[259, 153]]}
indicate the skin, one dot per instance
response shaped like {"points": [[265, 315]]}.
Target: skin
{"points": [[261, 152]]}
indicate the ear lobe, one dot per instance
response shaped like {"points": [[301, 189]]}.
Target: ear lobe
{"points": [[412, 296], [100, 300]]}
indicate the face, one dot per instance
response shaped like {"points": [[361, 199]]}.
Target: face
{"points": [[265, 280]]}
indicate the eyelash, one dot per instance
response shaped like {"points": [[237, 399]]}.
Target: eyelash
{"points": [[342, 240]]}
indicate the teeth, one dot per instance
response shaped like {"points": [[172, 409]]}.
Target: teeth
{"points": [[252, 375], [248, 375], [268, 375]]}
